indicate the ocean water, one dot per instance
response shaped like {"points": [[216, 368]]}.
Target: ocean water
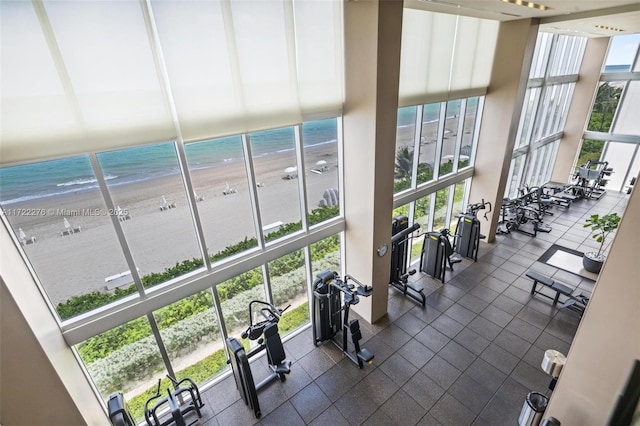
{"points": [[68, 175], [617, 68], [58, 177]]}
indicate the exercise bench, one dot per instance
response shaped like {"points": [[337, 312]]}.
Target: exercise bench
{"points": [[575, 302]]}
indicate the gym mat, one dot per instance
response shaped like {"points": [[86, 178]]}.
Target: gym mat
{"points": [[568, 260]]}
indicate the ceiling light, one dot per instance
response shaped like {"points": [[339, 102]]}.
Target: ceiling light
{"points": [[604, 27], [528, 4]]}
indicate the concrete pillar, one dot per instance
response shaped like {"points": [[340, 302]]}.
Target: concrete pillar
{"points": [[41, 381], [580, 108], [372, 31], [502, 109], [608, 337]]}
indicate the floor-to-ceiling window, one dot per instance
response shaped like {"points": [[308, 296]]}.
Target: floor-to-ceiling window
{"points": [[433, 192], [554, 71], [613, 131], [173, 162]]}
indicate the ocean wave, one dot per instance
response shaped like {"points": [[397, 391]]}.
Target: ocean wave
{"points": [[84, 181], [39, 196]]}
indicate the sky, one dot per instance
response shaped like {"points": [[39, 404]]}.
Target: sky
{"points": [[623, 49]]}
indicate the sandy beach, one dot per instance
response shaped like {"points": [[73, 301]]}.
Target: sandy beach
{"points": [[78, 263]]}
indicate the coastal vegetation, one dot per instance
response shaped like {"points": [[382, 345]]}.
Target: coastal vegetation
{"points": [[128, 354]]}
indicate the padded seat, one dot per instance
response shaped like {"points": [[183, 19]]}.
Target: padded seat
{"points": [[557, 286]]}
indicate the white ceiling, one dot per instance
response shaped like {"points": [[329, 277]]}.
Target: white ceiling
{"points": [[576, 17]]}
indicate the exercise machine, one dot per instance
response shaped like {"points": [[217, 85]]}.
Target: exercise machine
{"points": [[268, 338], [467, 235], [590, 179], [523, 214], [175, 404], [119, 411], [333, 298], [399, 276], [437, 252]]}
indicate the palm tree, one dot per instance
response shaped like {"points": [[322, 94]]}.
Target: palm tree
{"points": [[404, 163]]}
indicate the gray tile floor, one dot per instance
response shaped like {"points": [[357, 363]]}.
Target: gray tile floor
{"points": [[469, 357]]}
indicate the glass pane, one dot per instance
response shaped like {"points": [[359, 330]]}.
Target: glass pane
{"points": [[401, 211], [219, 179], [288, 278], [458, 202], [450, 137], [235, 295], [146, 183], [320, 139], [514, 183], [526, 124], [466, 147], [428, 142], [276, 171], [627, 122], [127, 359], [59, 216], [591, 150], [405, 136], [420, 215], [605, 106], [541, 55], [191, 334], [440, 212], [619, 157], [622, 52], [325, 255]]}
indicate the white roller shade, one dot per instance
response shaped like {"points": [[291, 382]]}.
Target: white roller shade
{"points": [[444, 56], [91, 76]]}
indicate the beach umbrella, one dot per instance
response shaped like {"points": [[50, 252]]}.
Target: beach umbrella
{"points": [[67, 225], [21, 234], [290, 170], [321, 163], [164, 201]]}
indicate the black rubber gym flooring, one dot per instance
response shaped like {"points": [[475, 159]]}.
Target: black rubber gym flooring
{"points": [[469, 357]]}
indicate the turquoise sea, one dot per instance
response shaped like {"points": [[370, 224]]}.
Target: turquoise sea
{"points": [[68, 175]]}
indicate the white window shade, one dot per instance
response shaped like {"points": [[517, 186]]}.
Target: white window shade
{"points": [[93, 76], [444, 56]]}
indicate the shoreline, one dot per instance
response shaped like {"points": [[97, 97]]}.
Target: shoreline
{"points": [[78, 263]]}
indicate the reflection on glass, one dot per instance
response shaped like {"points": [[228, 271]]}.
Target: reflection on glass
{"points": [[127, 359], [219, 179], [191, 335], [428, 142], [405, 135], [276, 172], [528, 118], [320, 141], [421, 214], [450, 137], [605, 106], [466, 147], [440, 212], [161, 235], [288, 279], [59, 217], [235, 295]]}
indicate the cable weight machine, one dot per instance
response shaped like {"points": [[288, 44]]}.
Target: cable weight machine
{"points": [[399, 250]]}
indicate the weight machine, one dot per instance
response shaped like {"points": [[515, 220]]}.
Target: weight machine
{"points": [[520, 214], [175, 403], [591, 178], [467, 237], [268, 337], [399, 249], [329, 317]]}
